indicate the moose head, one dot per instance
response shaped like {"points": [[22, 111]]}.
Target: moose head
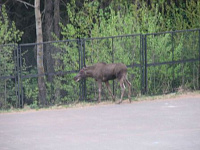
{"points": [[80, 75]]}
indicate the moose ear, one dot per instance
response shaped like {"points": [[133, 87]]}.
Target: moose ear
{"points": [[82, 71]]}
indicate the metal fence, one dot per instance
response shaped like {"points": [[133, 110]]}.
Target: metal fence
{"points": [[172, 61], [157, 63]]}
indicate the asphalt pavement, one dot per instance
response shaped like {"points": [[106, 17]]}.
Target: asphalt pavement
{"points": [[172, 124]]}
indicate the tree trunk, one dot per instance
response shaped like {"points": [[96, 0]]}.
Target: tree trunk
{"points": [[48, 26], [57, 18], [57, 33], [40, 66]]}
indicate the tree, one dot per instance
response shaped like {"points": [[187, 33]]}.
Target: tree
{"points": [[40, 66], [52, 29], [48, 26]]}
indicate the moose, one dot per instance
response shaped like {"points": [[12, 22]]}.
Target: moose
{"points": [[103, 72]]}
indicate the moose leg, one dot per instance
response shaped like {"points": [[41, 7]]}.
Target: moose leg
{"points": [[122, 89], [129, 90], [99, 85], [109, 89]]}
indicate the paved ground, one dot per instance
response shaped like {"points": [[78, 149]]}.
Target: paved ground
{"points": [[150, 125]]}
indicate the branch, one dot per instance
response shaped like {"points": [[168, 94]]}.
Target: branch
{"points": [[25, 3]]}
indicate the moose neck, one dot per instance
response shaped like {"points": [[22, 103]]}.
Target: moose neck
{"points": [[89, 71]]}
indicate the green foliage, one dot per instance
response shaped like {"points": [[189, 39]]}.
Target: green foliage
{"points": [[124, 17], [7, 68], [8, 34], [121, 18], [8, 30], [30, 89], [178, 46], [66, 59], [7, 94], [34, 105]]}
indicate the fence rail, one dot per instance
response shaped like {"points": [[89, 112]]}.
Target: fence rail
{"points": [[157, 63]]}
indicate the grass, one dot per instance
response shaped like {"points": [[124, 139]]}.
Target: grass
{"points": [[35, 107]]}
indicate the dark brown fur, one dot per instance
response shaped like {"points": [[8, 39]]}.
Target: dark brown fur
{"points": [[103, 72]]}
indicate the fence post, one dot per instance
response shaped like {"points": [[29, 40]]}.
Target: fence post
{"points": [[84, 80], [80, 67], [199, 59], [173, 60], [16, 74], [19, 84], [142, 62], [80, 61], [82, 64], [145, 63], [113, 62], [143, 53]]}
